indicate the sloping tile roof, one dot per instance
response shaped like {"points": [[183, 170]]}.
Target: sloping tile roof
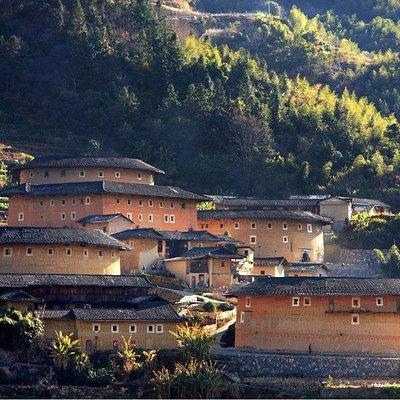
{"points": [[303, 286], [17, 295], [62, 236], [263, 214], [306, 266], [29, 280], [358, 202], [139, 233], [99, 187], [230, 201], [147, 312], [274, 261], [90, 162], [98, 219], [190, 235], [210, 252]]}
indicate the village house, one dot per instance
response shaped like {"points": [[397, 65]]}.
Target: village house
{"points": [[203, 267], [59, 250], [109, 223], [85, 169], [271, 266], [321, 315], [55, 193], [99, 310], [294, 235]]}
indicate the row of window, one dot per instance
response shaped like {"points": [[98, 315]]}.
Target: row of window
{"points": [[253, 225], [8, 252], [132, 328], [253, 239], [82, 174], [355, 302], [355, 318]]}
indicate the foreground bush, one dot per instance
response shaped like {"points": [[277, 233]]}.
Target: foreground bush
{"points": [[194, 380], [18, 329]]}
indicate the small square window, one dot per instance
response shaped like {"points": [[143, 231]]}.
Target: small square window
{"points": [[29, 251], [151, 217], [166, 218], [221, 226], [140, 217], [68, 252], [151, 203], [96, 328], [100, 253], [87, 200], [307, 301], [355, 319], [132, 329], [269, 225], [73, 215], [159, 329], [379, 301], [50, 252], [63, 216], [253, 239], [129, 202], [100, 174], [117, 174], [31, 174], [253, 225], [129, 215], [82, 174], [285, 239], [262, 272], [118, 201], [236, 225], [150, 328], [172, 219], [248, 302], [139, 176], [73, 202], [161, 204], [355, 302], [114, 328], [285, 226], [300, 227], [85, 253], [52, 202], [242, 317], [63, 202], [7, 252], [141, 203], [295, 301], [41, 202], [172, 205], [21, 216], [309, 228]]}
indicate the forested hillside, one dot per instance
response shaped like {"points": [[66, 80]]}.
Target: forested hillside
{"points": [[302, 103]]}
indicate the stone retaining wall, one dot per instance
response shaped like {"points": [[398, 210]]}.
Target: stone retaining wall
{"points": [[313, 366]]}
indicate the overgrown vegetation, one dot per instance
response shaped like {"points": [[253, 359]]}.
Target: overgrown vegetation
{"points": [[234, 119]]}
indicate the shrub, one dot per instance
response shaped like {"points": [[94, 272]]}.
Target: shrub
{"points": [[196, 320], [210, 307], [18, 329], [194, 380], [99, 377], [129, 356], [194, 341], [228, 337], [225, 307]]}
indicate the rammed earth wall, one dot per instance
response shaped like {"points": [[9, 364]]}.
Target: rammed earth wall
{"points": [[248, 363]]}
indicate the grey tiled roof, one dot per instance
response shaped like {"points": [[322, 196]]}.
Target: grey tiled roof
{"points": [[97, 219], [306, 266], [17, 295], [190, 235], [147, 312], [302, 286], [139, 233], [212, 252], [368, 202], [30, 280], [274, 261], [99, 187], [230, 201], [264, 214], [90, 162], [62, 236]]}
